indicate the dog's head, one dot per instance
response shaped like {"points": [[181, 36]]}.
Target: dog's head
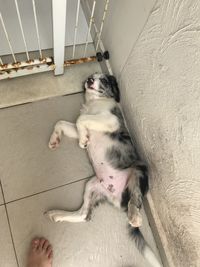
{"points": [[102, 85]]}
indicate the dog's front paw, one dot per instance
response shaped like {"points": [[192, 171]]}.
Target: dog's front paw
{"points": [[83, 145], [55, 215], [84, 142], [54, 141]]}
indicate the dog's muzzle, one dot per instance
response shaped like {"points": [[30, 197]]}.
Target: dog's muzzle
{"points": [[90, 82]]}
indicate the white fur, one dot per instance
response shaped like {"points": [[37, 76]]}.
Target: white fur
{"points": [[62, 127]]}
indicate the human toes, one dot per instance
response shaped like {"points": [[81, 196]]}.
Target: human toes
{"points": [[49, 252], [41, 244]]}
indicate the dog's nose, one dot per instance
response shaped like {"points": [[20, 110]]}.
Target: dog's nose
{"points": [[90, 81]]}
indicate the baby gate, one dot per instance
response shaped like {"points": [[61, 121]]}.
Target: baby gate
{"points": [[33, 35]]}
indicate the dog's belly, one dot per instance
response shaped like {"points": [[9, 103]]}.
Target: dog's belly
{"points": [[114, 180]]}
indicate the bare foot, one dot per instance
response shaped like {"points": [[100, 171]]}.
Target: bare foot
{"points": [[41, 254]]}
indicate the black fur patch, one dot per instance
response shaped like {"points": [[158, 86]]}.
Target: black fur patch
{"points": [[121, 155], [143, 180], [117, 112], [138, 238], [83, 86], [114, 87], [121, 137], [122, 134], [126, 195], [120, 158], [95, 200]]}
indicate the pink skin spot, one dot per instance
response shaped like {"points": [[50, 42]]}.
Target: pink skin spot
{"points": [[111, 188]]}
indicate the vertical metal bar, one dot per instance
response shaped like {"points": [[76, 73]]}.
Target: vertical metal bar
{"points": [[102, 23], [7, 37], [37, 29], [1, 61], [89, 29], [59, 29], [22, 30], [76, 28]]}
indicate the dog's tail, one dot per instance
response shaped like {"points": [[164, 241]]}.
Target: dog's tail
{"points": [[143, 247]]}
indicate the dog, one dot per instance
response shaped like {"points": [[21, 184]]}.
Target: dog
{"points": [[121, 178]]}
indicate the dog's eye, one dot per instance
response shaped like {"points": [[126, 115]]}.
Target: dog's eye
{"points": [[104, 81]]}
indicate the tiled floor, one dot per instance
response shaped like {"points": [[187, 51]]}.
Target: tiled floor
{"points": [[41, 86], [35, 179], [7, 258], [27, 165]]}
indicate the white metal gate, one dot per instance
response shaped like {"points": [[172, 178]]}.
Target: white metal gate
{"points": [[38, 62]]}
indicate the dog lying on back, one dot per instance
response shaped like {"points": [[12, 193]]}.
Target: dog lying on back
{"points": [[120, 176]]}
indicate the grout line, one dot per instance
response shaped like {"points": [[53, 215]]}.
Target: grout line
{"points": [[42, 99], [79, 92], [47, 190], [52, 97], [1, 192], [9, 225], [16, 105]]}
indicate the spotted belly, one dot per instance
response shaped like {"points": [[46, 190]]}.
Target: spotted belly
{"points": [[113, 180]]}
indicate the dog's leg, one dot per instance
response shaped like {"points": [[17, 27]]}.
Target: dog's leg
{"points": [[91, 196], [100, 122], [83, 136], [137, 187], [134, 206], [62, 127]]}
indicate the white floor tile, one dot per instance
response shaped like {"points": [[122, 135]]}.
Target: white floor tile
{"points": [[101, 242], [7, 256], [27, 165]]}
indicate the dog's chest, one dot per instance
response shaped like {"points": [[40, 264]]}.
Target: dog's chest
{"points": [[114, 180], [96, 107]]}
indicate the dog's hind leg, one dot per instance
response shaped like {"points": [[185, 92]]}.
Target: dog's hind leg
{"points": [[91, 197], [138, 186], [131, 202], [62, 127], [134, 206]]}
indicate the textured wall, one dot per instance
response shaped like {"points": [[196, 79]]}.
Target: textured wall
{"points": [[161, 99]]}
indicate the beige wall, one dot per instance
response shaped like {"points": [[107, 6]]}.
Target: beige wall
{"points": [[160, 87], [123, 24]]}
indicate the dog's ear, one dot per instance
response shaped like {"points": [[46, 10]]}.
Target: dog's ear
{"points": [[114, 87]]}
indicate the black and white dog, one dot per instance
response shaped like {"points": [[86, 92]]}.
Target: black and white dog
{"points": [[121, 178]]}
